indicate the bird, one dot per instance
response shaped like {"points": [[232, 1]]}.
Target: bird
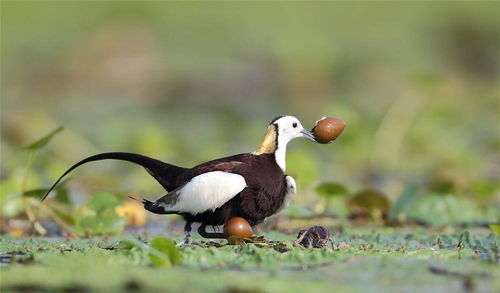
{"points": [[250, 185]]}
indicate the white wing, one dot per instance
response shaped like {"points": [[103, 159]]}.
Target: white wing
{"points": [[206, 192]]}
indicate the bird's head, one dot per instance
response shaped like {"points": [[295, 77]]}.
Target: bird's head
{"points": [[280, 131], [288, 128]]}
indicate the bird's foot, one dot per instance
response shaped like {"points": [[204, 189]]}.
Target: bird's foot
{"points": [[297, 243], [186, 242], [213, 235]]}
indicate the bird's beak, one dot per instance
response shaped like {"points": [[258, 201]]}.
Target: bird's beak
{"points": [[308, 135]]}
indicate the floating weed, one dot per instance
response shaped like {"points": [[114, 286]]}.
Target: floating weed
{"points": [[357, 256]]}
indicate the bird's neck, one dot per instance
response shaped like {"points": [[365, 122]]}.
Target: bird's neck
{"points": [[270, 144], [280, 156]]}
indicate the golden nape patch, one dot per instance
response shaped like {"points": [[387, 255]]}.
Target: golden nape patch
{"points": [[268, 144]]}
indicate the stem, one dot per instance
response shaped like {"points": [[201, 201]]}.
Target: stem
{"points": [[24, 184], [53, 216], [35, 225]]}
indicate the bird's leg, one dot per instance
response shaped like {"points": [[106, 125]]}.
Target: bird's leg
{"points": [[309, 243], [203, 232], [301, 237], [187, 238]]}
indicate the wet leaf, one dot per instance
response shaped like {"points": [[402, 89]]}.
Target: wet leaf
{"points": [[170, 254], [44, 140]]}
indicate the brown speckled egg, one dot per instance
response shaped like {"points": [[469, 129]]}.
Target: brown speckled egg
{"points": [[239, 227], [327, 129]]}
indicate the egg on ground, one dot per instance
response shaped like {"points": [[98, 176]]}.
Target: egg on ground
{"points": [[238, 227]]}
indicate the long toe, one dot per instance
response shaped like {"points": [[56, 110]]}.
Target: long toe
{"points": [[186, 242]]}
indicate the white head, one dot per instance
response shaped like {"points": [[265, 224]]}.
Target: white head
{"points": [[288, 128], [279, 132]]}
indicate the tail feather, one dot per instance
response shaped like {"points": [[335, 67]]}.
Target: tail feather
{"points": [[152, 206], [165, 174]]}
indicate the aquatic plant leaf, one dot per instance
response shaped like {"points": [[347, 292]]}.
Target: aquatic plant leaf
{"points": [[98, 216], [44, 140], [170, 254], [329, 189], [368, 203], [441, 210], [66, 217], [101, 201], [495, 228], [37, 193]]}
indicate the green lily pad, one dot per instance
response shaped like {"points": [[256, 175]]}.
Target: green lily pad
{"points": [[169, 253]]}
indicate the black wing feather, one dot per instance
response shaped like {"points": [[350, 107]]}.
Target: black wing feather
{"points": [[166, 174]]}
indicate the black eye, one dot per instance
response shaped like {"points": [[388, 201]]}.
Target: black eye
{"points": [[294, 125]]}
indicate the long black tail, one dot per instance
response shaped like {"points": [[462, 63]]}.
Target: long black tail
{"points": [[165, 174]]}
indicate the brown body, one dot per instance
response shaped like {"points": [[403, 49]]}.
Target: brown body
{"points": [[263, 196]]}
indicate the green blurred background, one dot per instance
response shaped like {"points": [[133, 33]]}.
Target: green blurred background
{"points": [[417, 83]]}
